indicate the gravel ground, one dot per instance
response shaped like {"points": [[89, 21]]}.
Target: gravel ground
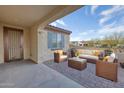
{"points": [[87, 77]]}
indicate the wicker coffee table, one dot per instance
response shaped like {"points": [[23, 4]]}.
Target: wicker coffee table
{"points": [[77, 63]]}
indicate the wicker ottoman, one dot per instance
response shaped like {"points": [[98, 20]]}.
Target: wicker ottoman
{"points": [[77, 63]]}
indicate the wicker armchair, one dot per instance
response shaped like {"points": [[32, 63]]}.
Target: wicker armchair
{"points": [[107, 70], [60, 56]]}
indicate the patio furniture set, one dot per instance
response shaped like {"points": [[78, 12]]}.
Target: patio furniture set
{"points": [[107, 70]]}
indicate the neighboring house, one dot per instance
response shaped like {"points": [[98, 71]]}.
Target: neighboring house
{"points": [[79, 43], [76, 43], [25, 34], [84, 43]]}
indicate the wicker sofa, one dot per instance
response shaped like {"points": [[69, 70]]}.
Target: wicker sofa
{"points": [[89, 55], [89, 58], [107, 70]]}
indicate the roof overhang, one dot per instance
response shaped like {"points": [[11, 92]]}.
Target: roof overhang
{"points": [[30, 15], [56, 29]]}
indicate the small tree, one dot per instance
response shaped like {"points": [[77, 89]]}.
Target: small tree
{"points": [[114, 39]]}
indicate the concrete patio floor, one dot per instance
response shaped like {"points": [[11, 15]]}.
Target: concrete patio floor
{"points": [[25, 74]]}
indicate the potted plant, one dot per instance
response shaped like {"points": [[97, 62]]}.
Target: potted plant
{"points": [[74, 52]]}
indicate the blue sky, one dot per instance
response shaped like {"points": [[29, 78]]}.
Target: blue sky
{"points": [[92, 22]]}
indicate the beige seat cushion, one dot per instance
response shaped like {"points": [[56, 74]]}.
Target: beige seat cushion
{"points": [[89, 56], [63, 56], [59, 51], [78, 59]]}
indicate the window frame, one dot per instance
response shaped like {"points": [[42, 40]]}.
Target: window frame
{"points": [[58, 37]]}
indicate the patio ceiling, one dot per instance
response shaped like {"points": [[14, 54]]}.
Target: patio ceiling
{"points": [[29, 15]]}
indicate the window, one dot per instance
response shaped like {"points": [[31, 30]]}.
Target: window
{"points": [[55, 40]]}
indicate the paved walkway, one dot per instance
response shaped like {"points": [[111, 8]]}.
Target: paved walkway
{"points": [[26, 74]]}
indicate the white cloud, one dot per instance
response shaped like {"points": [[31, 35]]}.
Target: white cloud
{"points": [[83, 33], [101, 37], [103, 20], [109, 13], [100, 33], [109, 30], [112, 10], [86, 39], [93, 8], [91, 30], [59, 21], [111, 24], [121, 20], [53, 24], [78, 38], [86, 11]]}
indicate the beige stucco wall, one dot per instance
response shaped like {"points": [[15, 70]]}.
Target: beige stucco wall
{"points": [[1, 45], [26, 44], [33, 44], [25, 39], [44, 53]]}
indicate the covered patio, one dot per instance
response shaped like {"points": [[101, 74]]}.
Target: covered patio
{"points": [[22, 30], [22, 44], [26, 74]]}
